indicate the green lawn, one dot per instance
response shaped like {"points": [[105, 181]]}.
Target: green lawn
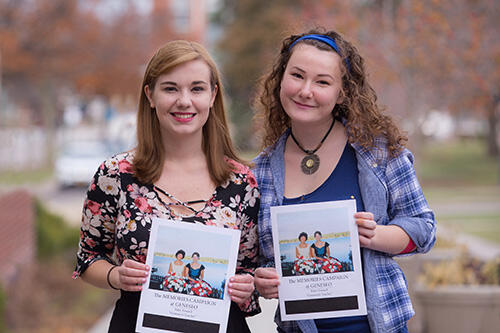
{"points": [[486, 226], [25, 177], [460, 183], [457, 163]]}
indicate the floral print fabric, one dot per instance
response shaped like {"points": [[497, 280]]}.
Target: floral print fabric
{"points": [[118, 211]]}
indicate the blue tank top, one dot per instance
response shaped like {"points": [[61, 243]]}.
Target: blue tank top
{"points": [[194, 273], [342, 184], [320, 251]]}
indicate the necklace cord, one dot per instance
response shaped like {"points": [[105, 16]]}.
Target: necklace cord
{"points": [[310, 152]]}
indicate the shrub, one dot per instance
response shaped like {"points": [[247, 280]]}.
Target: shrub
{"points": [[464, 270], [54, 235]]}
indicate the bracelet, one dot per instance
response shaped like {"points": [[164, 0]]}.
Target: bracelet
{"points": [[107, 278]]}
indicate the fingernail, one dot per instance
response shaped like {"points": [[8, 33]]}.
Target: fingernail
{"points": [[143, 280], [145, 273], [230, 285]]}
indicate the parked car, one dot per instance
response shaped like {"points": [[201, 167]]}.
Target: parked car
{"points": [[78, 161]]}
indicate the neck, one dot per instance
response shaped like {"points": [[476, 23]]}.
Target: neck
{"points": [[310, 135], [182, 149]]}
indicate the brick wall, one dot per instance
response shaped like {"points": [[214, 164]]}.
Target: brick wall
{"points": [[17, 233]]}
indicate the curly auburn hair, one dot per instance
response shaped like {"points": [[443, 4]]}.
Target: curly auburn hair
{"points": [[363, 118]]}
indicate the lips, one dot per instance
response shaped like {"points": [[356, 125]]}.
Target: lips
{"points": [[183, 116], [302, 105]]}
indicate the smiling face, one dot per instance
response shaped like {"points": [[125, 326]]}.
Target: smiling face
{"points": [[182, 98], [311, 84], [317, 236], [179, 256]]}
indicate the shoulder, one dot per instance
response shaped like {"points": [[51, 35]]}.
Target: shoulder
{"points": [[242, 174], [202, 267], [263, 160], [119, 163], [380, 155], [237, 167]]}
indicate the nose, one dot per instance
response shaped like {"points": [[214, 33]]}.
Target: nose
{"points": [[184, 100], [305, 90]]}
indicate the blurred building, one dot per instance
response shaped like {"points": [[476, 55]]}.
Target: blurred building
{"points": [[188, 17]]}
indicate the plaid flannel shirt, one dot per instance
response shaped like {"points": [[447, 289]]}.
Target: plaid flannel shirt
{"points": [[390, 190]]}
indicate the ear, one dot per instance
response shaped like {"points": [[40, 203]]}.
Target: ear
{"points": [[149, 95], [341, 97], [215, 90]]}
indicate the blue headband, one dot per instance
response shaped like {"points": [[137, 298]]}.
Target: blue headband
{"points": [[324, 39]]}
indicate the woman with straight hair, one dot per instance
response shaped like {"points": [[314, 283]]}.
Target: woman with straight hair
{"points": [[184, 168]]}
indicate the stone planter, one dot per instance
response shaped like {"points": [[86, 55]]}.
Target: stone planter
{"points": [[412, 267], [460, 309]]}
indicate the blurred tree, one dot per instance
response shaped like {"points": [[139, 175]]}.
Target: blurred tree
{"points": [[423, 55], [59, 43], [444, 53], [476, 58], [53, 45], [253, 33]]}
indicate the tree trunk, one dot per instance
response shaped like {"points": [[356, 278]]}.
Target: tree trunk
{"points": [[492, 139]]}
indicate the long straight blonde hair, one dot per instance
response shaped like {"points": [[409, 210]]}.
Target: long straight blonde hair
{"points": [[216, 143]]}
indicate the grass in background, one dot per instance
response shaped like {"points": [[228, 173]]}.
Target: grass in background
{"points": [[460, 183], [485, 226], [461, 162], [13, 177]]}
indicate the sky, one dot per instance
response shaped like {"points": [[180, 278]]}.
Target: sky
{"points": [[328, 220], [209, 244]]}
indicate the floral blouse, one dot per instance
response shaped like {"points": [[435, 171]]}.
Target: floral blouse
{"points": [[118, 210]]}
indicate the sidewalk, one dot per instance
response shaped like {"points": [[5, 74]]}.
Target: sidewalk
{"points": [[478, 247]]}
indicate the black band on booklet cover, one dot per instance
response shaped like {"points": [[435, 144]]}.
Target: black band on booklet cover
{"points": [[178, 325], [322, 305]]}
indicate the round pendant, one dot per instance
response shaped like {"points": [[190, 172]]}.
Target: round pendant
{"points": [[310, 164]]}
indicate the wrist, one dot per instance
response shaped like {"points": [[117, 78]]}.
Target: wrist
{"points": [[390, 239], [112, 278]]}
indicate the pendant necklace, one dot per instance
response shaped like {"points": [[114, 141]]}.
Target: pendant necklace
{"points": [[310, 163]]}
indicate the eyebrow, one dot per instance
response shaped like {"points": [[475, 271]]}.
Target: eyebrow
{"points": [[320, 75], [175, 83]]}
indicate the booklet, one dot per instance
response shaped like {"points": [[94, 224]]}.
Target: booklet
{"points": [[317, 255], [185, 291]]}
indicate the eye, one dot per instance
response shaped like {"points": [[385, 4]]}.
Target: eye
{"points": [[170, 89], [324, 83], [198, 89], [297, 75]]}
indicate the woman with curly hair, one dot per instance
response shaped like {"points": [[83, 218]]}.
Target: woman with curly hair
{"points": [[327, 139], [176, 267], [302, 251]]}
